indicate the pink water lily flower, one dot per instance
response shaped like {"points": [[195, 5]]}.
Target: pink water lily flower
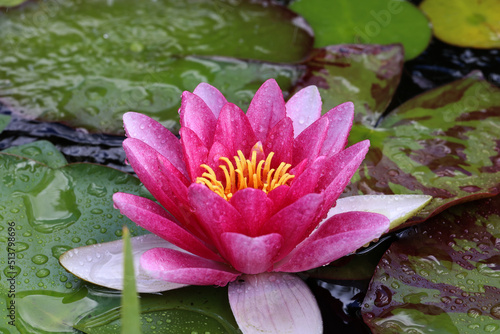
{"points": [[246, 200]]}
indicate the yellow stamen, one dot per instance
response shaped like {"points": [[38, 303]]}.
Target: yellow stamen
{"points": [[248, 173]]}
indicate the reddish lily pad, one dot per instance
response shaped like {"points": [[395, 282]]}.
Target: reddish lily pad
{"points": [[367, 75], [106, 58], [443, 277], [467, 23], [443, 143], [366, 21]]}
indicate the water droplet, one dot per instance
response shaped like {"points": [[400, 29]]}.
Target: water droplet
{"points": [[63, 278], [96, 211], [91, 242], [39, 259], [97, 190], [383, 296], [42, 273], [76, 239], [495, 311], [11, 271], [57, 251], [21, 246], [474, 313], [490, 328]]}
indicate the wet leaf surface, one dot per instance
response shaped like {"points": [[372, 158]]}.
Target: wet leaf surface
{"points": [[97, 68], [4, 121], [442, 277], [51, 210], [366, 21], [443, 143], [367, 75], [475, 23], [11, 3]]}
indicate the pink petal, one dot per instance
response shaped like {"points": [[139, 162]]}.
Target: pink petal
{"points": [[211, 96], [195, 152], [196, 115], [280, 141], [299, 168], [279, 197], [155, 219], [308, 144], [266, 109], [339, 170], [178, 267], [251, 255], [304, 108], [217, 151], [154, 134], [340, 122], [144, 161], [234, 130], [214, 213], [294, 222], [254, 207], [274, 303], [306, 182], [338, 236], [102, 264]]}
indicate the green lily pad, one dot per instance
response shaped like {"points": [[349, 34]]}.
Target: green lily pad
{"points": [[11, 3], [366, 21], [48, 211], [41, 151], [443, 278], [4, 121], [366, 75], [475, 23], [443, 143], [106, 58]]}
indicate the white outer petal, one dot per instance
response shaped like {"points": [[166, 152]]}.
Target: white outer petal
{"points": [[398, 208], [102, 264], [274, 303]]}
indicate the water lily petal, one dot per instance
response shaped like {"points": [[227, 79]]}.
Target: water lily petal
{"points": [[179, 267], [211, 96], [255, 208], [274, 303], [307, 181], [154, 134], [304, 108], [197, 116], [234, 130], [279, 197], [155, 219], [102, 264], [144, 160], [340, 122], [280, 141], [251, 255], [294, 222], [339, 170], [215, 214], [195, 152], [340, 235], [266, 109], [308, 144], [397, 208]]}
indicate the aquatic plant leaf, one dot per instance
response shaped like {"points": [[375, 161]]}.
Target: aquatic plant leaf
{"points": [[11, 3], [4, 121], [366, 21], [443, 143], [41, 151], [366, 75], [97, 68], [442, 277], [475, 23], [130, 312], [51, 210], [187, 310]]}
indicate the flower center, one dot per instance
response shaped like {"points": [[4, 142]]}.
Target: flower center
{"points": [[247, 174]]}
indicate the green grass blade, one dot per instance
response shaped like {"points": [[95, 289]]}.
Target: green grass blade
{"points": [[130, 300]]}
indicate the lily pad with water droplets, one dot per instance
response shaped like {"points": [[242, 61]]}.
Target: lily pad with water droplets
{"points": [[443, 143], [51, 210], [108, 57], [11, 3], [41, 151], [466, 23], [443, 277], [366, 21]]}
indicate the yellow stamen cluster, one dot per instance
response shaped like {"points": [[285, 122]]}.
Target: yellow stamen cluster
{"points": [[248, 173]]}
